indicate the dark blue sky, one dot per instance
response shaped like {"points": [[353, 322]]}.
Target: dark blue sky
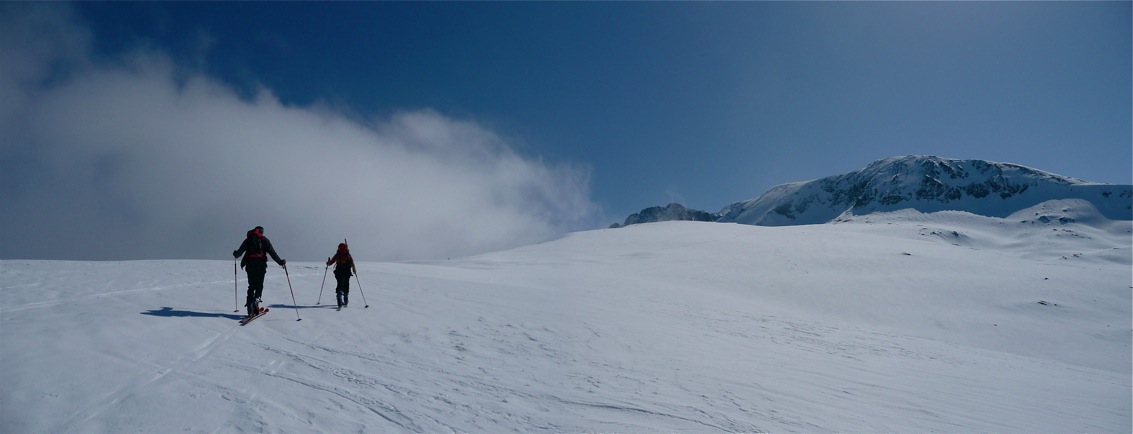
{"points": [[612, 106], [706, 103]]}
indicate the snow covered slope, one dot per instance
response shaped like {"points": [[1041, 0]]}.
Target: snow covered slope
{"points": [[902, 322], [926, 184]]}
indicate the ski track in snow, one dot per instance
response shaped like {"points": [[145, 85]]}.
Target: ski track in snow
{"points": [[108, 402], [382, 409]]}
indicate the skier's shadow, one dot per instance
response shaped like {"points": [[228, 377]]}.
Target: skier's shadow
{"points": [[169, 312]]}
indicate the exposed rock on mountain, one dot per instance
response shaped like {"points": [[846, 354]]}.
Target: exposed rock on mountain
{"points": [[674, 211]]}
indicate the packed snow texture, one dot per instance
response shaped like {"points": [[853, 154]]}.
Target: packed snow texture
{"points": [[900, 322]]}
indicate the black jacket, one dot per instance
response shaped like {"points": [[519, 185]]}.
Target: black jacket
{"points": [[256, 248]]}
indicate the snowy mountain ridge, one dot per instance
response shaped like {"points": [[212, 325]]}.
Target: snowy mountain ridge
{"points": [[897, 321], [926, 184]]}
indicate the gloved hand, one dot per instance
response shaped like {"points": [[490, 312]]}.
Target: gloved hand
{"points": [[283, 263], [328, 262], [235, 253]]}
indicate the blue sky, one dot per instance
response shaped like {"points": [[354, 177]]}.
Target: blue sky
{"points": [[626, 104]]}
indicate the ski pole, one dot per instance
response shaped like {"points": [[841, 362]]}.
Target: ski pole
{"points": [[285, 273], [360, 288], [321, 286], [235, 287], [356, 278]]}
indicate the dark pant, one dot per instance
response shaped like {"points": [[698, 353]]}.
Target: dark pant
{"points": [[256, 272], [342, 291]]}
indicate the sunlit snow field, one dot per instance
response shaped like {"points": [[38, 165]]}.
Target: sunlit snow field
{"points": [[900, 322]]}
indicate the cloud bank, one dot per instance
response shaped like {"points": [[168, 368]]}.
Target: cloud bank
{"points": [[141, 158]]}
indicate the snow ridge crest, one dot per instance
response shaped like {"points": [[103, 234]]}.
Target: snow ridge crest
{"points": [[926, 184]]}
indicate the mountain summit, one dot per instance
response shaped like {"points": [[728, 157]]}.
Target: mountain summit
{"points": [[673, 211], [926, 184]]}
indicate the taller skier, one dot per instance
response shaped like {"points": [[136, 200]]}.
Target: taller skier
{"points": [[256, 248]]}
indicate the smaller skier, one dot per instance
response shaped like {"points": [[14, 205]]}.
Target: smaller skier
{"points": [[343, 269]]}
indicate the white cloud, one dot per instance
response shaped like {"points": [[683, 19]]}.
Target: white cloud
{"points": [[143, 159]]}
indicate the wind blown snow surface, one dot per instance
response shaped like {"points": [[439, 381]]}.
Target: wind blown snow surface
{"points": [[901, 322]]}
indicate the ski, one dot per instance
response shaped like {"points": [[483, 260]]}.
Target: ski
{"points": [[248, 319]]}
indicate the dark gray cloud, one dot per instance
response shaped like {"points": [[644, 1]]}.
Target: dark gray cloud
{"points": [[144, 158]]}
